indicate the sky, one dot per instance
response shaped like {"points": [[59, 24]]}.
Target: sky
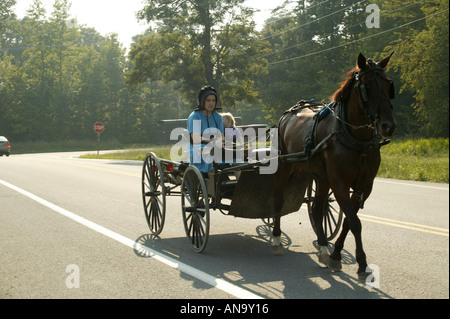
{"points": [[119, 16]]}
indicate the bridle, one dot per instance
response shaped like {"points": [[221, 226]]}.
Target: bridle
{"points": [[339, 110], [361, 92], [363, 98]]}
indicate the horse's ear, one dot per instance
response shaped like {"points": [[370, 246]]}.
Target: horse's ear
{"points": [[361, 62], [384, 63]]}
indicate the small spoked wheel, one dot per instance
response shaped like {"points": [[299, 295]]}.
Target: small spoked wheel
{"points": [[153, 193], [332, 214], [195, 208], [268, 221]]}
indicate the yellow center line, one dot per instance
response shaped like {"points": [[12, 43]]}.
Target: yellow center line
{"points": [[405, 225]]}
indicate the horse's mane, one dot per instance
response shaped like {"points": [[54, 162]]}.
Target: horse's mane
{"points": [[339, 94]]}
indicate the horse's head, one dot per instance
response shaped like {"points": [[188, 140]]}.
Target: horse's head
{"points": [[375, 91]]}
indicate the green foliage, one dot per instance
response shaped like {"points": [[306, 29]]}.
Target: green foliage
{"points": [[419, 160], [435, 147], [425, 54], [196, 43], [57, 79], [133, 154]]}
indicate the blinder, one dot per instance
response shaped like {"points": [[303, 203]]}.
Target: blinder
{"points": [[391, 90], [362, 90]]}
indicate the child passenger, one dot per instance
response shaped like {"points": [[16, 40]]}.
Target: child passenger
{"points": [[233, 140], [232, 134]]}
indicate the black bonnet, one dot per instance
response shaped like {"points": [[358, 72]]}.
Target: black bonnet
{"points": [[204, 92]]}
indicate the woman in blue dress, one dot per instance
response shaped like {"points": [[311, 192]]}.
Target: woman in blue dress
{"points": [[204, 125]]}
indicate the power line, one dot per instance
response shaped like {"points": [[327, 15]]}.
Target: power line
{"points": [[336, 32], [273, 20], [355, 41], [313, 21]]}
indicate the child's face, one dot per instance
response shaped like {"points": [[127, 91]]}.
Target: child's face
{"points": [[226, 122]]}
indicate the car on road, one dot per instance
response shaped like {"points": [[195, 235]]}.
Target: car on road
{"points": [[5, 146]]}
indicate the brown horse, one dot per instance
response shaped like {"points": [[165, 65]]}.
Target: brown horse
{"points": [[349, 157]]}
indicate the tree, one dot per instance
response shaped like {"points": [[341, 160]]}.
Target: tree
{"points": [[304, 63], [423, 67], [6, 14], [200, 42]]}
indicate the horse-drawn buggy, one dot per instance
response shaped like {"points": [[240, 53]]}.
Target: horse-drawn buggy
{"points": [[327, 157]]}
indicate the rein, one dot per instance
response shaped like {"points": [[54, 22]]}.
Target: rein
{"points": [[355, 127], [361, 92]]}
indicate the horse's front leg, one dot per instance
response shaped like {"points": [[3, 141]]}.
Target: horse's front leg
{"points": [[355, 226], [335, 258], [352, 223]]}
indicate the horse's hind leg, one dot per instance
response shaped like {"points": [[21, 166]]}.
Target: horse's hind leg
{"points": [[335, 258], [319, 205], [277, 247], [281, 179]]}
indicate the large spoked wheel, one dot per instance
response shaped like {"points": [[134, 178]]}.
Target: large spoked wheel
{"points": [[332, 214], [153, 193], [195, 208]]}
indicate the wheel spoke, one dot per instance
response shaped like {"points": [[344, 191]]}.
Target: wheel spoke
{"points": [[156, 215], [190, 219], [186, 196], [330, 215], [148, 202], [328, 223]]}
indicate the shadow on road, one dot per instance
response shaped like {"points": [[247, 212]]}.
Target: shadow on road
{"points": [[247, 261]]}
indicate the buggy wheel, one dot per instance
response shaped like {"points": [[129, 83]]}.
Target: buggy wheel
{"points": [[332, 214], [195, 208], [153, 193]]}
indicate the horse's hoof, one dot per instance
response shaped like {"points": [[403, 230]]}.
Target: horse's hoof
{"points": [[324, 258], [324, 255], [363, 275], [278, 250], [334, 265]]}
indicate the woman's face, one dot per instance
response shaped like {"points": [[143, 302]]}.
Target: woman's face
{"points": [[210, 103]]}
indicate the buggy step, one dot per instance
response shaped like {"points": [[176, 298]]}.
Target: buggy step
{"points": [[229, 183], [227, 186], [152, 194]]}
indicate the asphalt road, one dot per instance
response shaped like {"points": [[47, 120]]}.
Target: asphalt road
{"points": [[75, 228]]}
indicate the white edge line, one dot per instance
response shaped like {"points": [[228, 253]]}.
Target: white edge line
{"points": [[411, 184], [194, 272]]}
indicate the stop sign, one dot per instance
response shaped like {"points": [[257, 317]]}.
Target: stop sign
{"points": [[98, 127]]}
